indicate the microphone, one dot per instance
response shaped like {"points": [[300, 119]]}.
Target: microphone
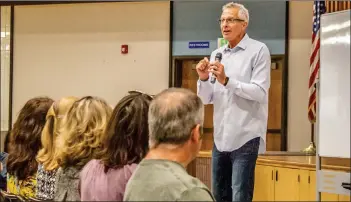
{"points": [[219, 59]]}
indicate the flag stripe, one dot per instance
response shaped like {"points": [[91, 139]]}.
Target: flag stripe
{"points": [[318, 9], [314, 75], [314, 41], [315, 51]]}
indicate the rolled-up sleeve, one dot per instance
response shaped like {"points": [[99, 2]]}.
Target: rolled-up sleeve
{"points": [[205, 91], [205, 88]]}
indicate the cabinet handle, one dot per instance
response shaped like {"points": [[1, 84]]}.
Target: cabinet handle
{"points": [[276, 175], [309, 179], [272, 174], [298, 178]]}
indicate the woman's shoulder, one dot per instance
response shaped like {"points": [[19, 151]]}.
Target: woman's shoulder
{"points": [[94, 163], [131, 167], [129, 170], [92, 167]]}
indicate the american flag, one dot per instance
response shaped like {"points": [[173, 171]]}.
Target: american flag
{"points": [[318, 9]]}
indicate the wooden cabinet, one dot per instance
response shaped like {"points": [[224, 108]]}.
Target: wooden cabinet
{"points": [[286, 187], [305, 189], [277, 184], [312, 185], [273, 183], [329, 197], [344, 198], [279, 176], [264, 183]]}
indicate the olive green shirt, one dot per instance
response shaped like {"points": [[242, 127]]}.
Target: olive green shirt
{"points": [[164, 180]]}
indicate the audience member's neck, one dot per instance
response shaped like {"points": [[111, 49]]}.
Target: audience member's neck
{"points": [[170, 152]]}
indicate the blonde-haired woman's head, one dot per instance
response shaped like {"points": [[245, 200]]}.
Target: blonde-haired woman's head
{"points": [[48, 154], [82, 131]]}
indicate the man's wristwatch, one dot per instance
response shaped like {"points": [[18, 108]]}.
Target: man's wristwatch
{"points": [[205, 79], [226, 81]]}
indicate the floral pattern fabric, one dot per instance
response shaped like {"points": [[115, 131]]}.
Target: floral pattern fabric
{"points": [[24, 188]]}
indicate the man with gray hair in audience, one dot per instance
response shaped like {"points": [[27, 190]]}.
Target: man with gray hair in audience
{"points": [[175, 121]]}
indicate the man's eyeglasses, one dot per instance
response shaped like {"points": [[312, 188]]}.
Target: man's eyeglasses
{"points": [[141, 93], [230, 20]]}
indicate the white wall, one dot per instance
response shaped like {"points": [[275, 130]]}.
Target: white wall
{"points": [[74, 49], [300, 32], [5, 66]]}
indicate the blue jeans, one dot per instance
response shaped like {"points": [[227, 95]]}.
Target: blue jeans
{"points": [[233, 172]]}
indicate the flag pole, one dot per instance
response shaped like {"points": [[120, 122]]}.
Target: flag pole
{"points": [[311, 149], [318, 10]]}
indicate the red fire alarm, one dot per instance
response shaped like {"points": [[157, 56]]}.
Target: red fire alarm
{"points": [[124, 49]]}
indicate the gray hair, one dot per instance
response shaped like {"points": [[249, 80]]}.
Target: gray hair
{"points": [[243, 12], [172, 115]]}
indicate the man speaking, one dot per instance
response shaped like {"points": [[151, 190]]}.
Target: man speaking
{"points": [[236, 81]]}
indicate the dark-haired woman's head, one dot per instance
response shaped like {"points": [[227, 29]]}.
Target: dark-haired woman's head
{"points": [[25, 137], [127, 137]]}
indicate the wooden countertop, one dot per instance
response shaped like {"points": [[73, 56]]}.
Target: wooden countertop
{"points": [[296, 160]]}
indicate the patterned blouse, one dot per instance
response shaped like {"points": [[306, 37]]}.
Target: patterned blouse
{"points": [[24, 188], [46, 183]]}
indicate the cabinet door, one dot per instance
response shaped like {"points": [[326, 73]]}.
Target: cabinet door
{"points": [[344, 198], [313, 187], [286, 187], [329, 197], [304, 187], [264, 183]]}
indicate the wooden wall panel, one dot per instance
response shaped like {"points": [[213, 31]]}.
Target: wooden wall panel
{"points": [[189, 81], [275, 97], [208, 122], [273, 142], [334, 6], [207, 141], [201, 169], [189, 75]]}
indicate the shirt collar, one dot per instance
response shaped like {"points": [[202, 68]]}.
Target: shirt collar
{"points": [[242, 44]]}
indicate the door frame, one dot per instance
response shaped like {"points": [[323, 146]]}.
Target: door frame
{"points": [[176, 68]]}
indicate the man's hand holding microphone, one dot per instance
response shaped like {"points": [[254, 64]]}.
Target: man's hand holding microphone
{"points": [[204, 67]]}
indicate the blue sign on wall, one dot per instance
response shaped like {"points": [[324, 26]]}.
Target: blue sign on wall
{"points": [[199, 44]]}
